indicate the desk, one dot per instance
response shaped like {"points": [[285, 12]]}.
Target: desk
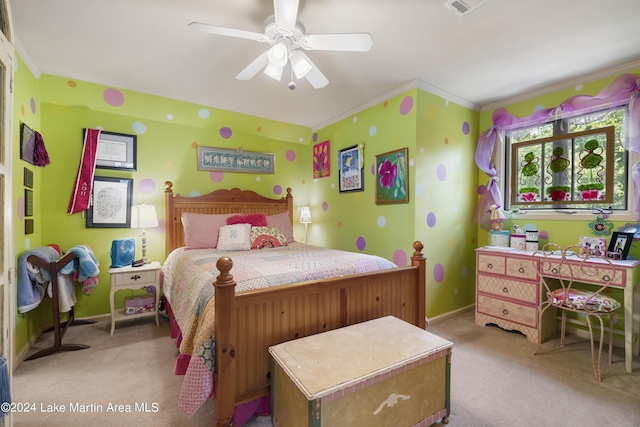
{"points": [[509, 292]]}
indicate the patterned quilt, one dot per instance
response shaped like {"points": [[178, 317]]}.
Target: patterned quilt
{"points": [[187, 282]]}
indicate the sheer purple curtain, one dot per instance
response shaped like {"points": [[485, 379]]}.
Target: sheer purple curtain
{"points": [[622, 91]]}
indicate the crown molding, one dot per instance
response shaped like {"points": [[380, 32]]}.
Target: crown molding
{"points": [[563, 85], [397, 91], [24, 54]]}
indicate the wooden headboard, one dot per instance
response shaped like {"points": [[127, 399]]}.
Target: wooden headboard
{"points": [[217, 202]]}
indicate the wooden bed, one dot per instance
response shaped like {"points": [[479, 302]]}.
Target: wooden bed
{"points": [[248, 323]]}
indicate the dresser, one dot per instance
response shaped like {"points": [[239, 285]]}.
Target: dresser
{"points": [[509, 291]]}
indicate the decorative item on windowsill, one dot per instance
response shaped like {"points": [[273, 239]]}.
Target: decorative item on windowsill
{"points": [[496, 217], [144, 216], [305, 218], [592, 188], [558, 191], [601, 226]]}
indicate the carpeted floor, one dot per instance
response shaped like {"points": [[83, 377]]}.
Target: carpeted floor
{"points": [[495, 381]]}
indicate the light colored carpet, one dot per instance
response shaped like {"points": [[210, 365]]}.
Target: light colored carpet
{"points": [[495, 380]]}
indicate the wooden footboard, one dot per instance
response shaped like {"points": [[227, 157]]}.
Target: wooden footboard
{"points": [[248, 323]]}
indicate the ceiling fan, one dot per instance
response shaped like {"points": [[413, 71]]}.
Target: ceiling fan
{"points": [[285, 33]]}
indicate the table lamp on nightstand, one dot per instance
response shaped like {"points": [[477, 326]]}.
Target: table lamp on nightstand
{"points": [[305, 218], [144, 216]]}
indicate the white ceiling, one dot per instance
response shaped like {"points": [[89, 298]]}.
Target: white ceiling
{"points": [[500, 50]]}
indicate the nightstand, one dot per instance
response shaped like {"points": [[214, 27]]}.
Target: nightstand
{"points": [[133, 278]]}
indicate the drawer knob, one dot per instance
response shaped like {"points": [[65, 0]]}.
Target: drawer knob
{"points": [[554, 270], [135, 277], [489, 265], [521, 270], [505, 290], [606, 278], [505, 311]]}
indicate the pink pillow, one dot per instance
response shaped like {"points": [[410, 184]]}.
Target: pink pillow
{"points": [[201, 230], [282, 222], [257, 219]]}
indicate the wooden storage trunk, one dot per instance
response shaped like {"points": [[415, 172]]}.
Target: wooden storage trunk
{"points": [[384, 372]]}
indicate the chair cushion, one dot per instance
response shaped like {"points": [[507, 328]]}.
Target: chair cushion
{"points": [[578, 298]]}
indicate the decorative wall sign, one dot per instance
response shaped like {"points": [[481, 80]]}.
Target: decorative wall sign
{"points": [[28, 178], [28, 203], [321, 162], [350, 169], [111, 206], [225, 160], [392, 177], [117, 151], [28, 226]]}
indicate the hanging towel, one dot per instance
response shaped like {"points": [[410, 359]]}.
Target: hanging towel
{"points": [[31, 279], [40, 155], [66, 293], [85, 267], [5, 391], [81, 197]]}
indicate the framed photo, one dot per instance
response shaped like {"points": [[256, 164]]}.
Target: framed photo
{"points": [[28, 226], [594, 246], [321, 160], [392, 177], [28, 203], [111, 207], [27, 143], [116, 151], [350, 169], [28, 178], [225, 160], [620, 244]]}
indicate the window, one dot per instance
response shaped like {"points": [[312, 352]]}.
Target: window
{"points": [[569, 164]]}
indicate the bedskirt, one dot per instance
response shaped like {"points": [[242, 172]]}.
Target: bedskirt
{"points": [[243, 412]]}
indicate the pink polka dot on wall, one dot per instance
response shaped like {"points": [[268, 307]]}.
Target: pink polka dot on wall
{"points": [[400, 258], [315, 137], [406, 105], [20, 208], [33, 105], [482, 189], [216, 176], [438, 273], [113, 97], [431, 219], [544, 235], [277, 189], [290, 155], [441, 172], [361, 243], [465, 128], [325, 206]]}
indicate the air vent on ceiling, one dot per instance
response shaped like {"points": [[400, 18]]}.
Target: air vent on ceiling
{"points": [[463, 7]]}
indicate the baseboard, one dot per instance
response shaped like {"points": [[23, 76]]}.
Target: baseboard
{"points": [[449, 314], [580, 328]]}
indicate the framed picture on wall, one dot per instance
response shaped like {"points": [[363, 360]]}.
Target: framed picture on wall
{"points": [[350, 169], [392, 177], [28, 203], [28, 178], [238, 160], [321, 160], [111, 206], [117, 151], [27, 143]]}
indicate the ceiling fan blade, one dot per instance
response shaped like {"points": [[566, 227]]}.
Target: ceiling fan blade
{"points": [[314, 76], [286, 14], [223, 31], [252, 69], [353, 42]]}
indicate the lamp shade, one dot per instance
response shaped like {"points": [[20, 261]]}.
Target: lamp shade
{"points": [[305, 215], [299, 64], [143, 216]]}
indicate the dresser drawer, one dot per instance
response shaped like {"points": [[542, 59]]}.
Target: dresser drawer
{"points": [[585, 273], [523, 291], [522, 268], [523, 314], [491, 264], [135, 278]]}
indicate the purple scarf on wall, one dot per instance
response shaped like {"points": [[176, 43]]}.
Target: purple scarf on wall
{"points": [[622, 91]]}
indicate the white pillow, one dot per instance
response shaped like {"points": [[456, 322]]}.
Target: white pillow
{"points": [[235, 237]]}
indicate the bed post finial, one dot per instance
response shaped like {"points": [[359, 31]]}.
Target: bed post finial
{"points": [[420, 261], [168, 187], [418, 247], [224, 265]]}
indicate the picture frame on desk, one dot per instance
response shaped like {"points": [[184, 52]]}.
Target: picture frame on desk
{"points": [[620, 243]]}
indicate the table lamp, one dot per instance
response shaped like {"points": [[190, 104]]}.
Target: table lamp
{"points": [[305, 218], [144, 216]]}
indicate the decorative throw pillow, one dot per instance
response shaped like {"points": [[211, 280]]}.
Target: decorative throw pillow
{"points": [[201, 230], [256, 219], [234, 237], [267, 237], [282, 222]]}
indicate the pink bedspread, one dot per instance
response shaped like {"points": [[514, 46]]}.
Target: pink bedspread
{"points": [[187, 283]]}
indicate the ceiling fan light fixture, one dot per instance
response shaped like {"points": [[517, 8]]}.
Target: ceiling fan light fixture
{"points": [[299, 64], [278, 55], [273, 71]]}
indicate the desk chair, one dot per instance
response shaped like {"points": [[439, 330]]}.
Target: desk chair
{"points": [[592, 304]]}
